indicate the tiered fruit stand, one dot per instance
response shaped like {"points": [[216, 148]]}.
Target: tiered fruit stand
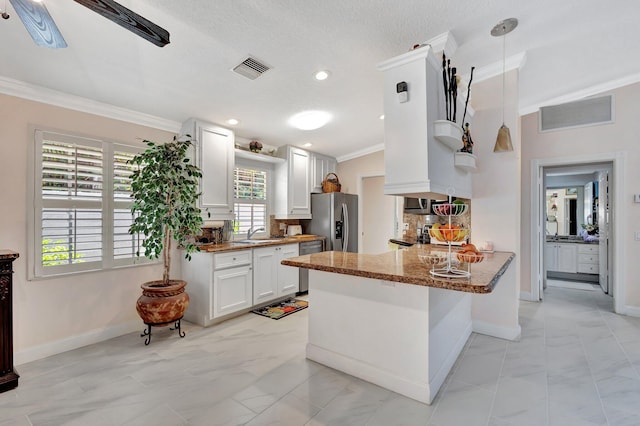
{"points": [[442, 264]]}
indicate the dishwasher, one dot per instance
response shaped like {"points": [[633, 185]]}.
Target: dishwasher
{"points": [[308, 248]]}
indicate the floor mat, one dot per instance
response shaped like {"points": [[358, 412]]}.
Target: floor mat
{"points": [[282, 309]]}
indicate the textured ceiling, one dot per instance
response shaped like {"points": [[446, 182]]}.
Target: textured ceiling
{"points": [[570, 45]]}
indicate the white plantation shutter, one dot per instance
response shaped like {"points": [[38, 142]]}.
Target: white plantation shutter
{"points": [[125, 246], [81, 205], [71, 192], [250, 199]]}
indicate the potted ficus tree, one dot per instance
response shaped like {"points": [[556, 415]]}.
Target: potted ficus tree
{"points": [[165, 194]]}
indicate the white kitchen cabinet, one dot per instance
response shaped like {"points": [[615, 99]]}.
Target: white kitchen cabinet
{"points": [[292, 198], [232, 291], [218, 284], [321, 166], [216, 158], [416, 163], [271, 279]]}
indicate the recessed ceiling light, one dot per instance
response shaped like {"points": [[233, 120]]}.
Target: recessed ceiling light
{"points": [[381, 117], [307, 145], [322, 75], [232, 121], [310, 120]]}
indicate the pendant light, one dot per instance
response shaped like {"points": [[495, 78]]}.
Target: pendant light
{"points": [[502, 28]]}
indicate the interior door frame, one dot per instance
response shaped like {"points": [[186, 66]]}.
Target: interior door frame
{"points": [[617, 214]]}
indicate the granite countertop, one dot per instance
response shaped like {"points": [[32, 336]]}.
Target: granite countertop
{"points": [[235, 246], [578, 240], [404, 266]]}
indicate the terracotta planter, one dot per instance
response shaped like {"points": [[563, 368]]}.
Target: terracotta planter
{"points": [[162, 304]]}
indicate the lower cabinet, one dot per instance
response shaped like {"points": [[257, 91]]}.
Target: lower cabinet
{"points": [[231, 291], [572, 258], [220, 284], [588, 259], [272, 280]]}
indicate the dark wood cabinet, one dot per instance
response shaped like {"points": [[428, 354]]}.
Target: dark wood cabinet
{"points": [[8, 375]]}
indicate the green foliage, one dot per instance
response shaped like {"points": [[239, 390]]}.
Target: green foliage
{"points": [[165, 194], [58, 254]]}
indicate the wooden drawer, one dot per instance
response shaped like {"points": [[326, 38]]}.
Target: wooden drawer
{"points": [[588, 258], [232, 258], [588, 268], [588, 248]]}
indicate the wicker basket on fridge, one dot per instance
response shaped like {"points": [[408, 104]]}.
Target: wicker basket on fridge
{"points": [[331, 184]]}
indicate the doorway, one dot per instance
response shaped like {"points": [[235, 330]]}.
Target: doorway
{"points": [[378, 215], [609, 172]]}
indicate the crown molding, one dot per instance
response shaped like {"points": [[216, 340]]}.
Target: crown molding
{"points": [[41, 94], [581, 94], [444, 42], [513, 62], [361, 153]]}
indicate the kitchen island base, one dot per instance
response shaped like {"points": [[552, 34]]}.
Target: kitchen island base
{"points": [[402, 337]]}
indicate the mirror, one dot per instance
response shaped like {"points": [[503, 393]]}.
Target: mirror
{"points": [[563, 215]]}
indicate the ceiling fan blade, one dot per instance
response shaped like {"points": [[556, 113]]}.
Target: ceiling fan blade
{"points": [[39, 24], [129, 20]]}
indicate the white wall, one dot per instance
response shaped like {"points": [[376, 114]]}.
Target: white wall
{"points": [[495, 205], [619, 137], [55, 315]]}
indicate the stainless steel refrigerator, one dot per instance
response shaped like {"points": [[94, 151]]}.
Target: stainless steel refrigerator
{"points": [[334, 215]]}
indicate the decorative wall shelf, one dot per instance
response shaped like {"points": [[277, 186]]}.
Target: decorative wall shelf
{"points": [[449, 133], [465, 161], [266, 158]]}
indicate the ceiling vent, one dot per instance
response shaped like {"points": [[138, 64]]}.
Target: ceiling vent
{"points": [[251, 68], [586, 112]]}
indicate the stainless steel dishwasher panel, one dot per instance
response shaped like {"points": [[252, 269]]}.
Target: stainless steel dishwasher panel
{"points": [[308, 248]]}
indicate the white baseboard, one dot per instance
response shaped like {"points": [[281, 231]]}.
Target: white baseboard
{"points": [[632, 311], [74, 342], [420, 391], [526, 295], [507, 333]]}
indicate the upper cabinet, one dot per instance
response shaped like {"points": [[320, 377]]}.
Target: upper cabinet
{"points": [[321, 165], [417, 164], [293, 184], [215, 157]]}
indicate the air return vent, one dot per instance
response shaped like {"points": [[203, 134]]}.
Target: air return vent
{"points": [[586, 112], [251, 68]]}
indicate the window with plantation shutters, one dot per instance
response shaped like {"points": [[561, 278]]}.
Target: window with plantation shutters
{"points": [[250, 199], [81, 205]]}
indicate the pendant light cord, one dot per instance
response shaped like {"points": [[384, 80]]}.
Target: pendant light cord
{"points": [[504, 53]]}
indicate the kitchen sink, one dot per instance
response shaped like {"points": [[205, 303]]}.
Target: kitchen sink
{"points": [[256, 241]]}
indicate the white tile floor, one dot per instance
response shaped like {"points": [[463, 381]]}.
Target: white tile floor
{"points": [[576, 364]]}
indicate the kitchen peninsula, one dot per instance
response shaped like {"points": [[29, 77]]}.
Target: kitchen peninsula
{"points": [[385, 319]]}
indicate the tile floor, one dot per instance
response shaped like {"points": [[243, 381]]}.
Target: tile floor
{"points": [[576, 364]]}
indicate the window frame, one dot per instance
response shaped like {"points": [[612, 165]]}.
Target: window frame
{"points": [[255, 165], [106, 203]]}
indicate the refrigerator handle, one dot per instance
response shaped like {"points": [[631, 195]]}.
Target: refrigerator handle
{"points": [[345, 230]]}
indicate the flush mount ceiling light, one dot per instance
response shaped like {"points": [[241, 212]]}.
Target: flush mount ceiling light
{"points": [[502, 28], [322, 75], [232, 121], [307, 145], [310, 120]]}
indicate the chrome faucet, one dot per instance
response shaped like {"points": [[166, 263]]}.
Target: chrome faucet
{"points": [[252, 231]]}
